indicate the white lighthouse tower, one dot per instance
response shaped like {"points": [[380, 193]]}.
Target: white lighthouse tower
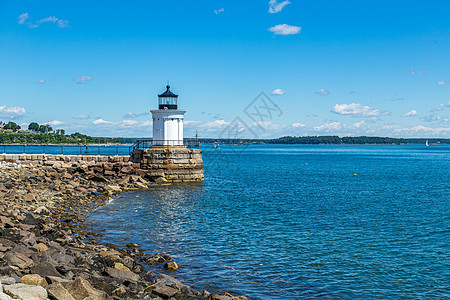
{"points": [[168, 120]]}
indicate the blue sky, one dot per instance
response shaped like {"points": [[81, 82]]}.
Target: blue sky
{"points": [[331, 68]]}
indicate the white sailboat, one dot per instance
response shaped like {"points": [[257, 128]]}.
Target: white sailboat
{"points": [[426, 143]]}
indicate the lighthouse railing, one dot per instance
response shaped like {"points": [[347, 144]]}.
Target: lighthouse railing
{"points": [[145, 144]]}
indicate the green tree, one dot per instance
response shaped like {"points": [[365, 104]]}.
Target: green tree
{"points": [[43, 129], [12, 126], [33, 126], [60, 131]]}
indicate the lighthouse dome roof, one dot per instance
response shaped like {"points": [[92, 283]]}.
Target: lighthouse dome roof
{"points": [[168, 93]]}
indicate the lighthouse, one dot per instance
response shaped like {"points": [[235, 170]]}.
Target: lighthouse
{"points": [[165, 158], [168, 120]]}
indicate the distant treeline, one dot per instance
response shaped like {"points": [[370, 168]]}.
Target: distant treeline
{"points": [[332, 140], [52, 138], [58, 137]]}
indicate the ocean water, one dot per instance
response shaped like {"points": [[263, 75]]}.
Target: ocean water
{"points": [[301, 222]]}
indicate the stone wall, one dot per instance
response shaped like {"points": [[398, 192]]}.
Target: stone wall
{"points": [[51, 159], [160, 164], [174, 164]]}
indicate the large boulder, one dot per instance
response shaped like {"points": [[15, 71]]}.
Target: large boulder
{"points": [[164, 291], [25, 291], [81, 288], [175, 283], [171, 266], [33, 279], [17, 259], [123, 274], [45, 269], [31, 219], [58, 291]]}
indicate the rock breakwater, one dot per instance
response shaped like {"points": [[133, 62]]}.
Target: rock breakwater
{"points": [[47, 253]]}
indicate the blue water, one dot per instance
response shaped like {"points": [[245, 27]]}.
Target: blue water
{"points": [[301, 221]]}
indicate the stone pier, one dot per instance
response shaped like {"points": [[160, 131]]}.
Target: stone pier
{"points": [[174, 164], [158, 164]]}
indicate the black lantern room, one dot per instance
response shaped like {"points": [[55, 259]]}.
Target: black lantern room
{"points": [[168, 100]]}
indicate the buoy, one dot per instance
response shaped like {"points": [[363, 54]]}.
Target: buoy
{"points": [[354, 174]]}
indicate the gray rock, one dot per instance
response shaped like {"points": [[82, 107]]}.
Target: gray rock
{"points": [[29, 239], [164, 291], [18, 260], [7, 243], [45, 269], [25, 291], [5, 297], [31, 219], [22, 250], [7, 270], [7, 280], [58, 291], [81, 289], [63, 258], [172, 282], [124, 274], [56, 279]]}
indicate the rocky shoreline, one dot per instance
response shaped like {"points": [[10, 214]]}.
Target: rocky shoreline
{"points": [[47, 253]]}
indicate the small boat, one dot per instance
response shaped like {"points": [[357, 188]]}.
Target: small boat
{"points": [[426, 143]]}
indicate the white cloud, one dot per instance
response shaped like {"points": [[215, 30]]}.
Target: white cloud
{"points": [[41, 81], [54, 123], [190, 122], [323, 92], [298, 125], [442, 82], [218, 11], [134, 115], [410, 113], [278, 92], [23, 17], [208, 126], [432, 118], [49, 19], [329, 127], [12, 112], [423, 129], [441, 106], [82, 79], [275, 7], [146, 123], [267, 125], [356, 109], [129, 122], [358, 125], [445, 104], [100, 122], [284, 29], [414, 72], [215, 124], [390, 126], [82, 117]]}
